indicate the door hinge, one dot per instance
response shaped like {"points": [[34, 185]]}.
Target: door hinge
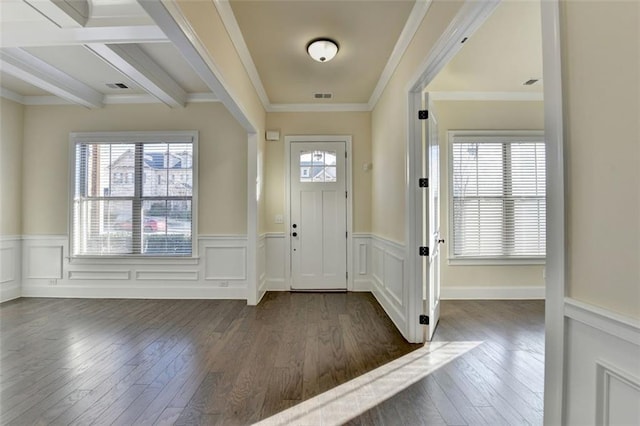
{"points": [[346, 274], [424, 319], [346, 194], [423, 182], [423, 114], [346, 234], [423, 251]]}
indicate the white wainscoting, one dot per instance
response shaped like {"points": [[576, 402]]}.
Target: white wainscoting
{"points": [[275, 262], [10, 267], [220, 271], [362, 279], [389, 280], [602, 365], [359, 277], [261, 273]]}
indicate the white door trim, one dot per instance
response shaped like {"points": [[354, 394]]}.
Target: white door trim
{"points": [[288, 140], [469, 18]]}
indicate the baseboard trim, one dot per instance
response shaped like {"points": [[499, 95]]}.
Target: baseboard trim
{"points": [[276, 284], [491, 293], [107, 292], [603, 319]]}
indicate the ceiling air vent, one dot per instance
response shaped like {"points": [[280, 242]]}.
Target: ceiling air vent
{"points": [[117, 86], [323, 95], [530, 82]]}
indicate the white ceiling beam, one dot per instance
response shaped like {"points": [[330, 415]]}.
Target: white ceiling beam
{"points": [[184, 38], [135, 64], [62, 13], [30, 69], [33, 35]]}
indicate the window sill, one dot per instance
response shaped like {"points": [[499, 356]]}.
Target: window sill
{"points": [[495, 261], [134, 260]]}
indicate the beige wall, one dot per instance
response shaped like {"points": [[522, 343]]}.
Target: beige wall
{"points": [[11, 132], [476, 115], [356, 124], [209, 29], [389, 127], [601, 45], [222, 160]]}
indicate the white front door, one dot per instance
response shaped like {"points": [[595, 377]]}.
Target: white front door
{"points": [[431, 219], [318, 217]]}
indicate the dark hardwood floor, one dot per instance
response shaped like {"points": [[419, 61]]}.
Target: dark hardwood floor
{"points": [[500, 382], [126, 362]]}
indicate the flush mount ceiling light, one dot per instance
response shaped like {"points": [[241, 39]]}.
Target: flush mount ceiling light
{"points": [[322, 49]]}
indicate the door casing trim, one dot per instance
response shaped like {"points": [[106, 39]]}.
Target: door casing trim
{"points": [[288, 140]]}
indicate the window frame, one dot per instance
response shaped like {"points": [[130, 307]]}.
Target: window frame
{"points": [[485, 136], [135, 137]]}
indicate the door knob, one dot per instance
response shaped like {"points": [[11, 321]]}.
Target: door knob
{"points": [[441, 241], [294, 226], [294, 234]]}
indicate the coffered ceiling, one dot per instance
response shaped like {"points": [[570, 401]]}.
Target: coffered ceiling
{"points": [[95, 52]]}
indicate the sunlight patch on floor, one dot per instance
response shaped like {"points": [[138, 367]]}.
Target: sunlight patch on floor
{"points": [[356, 396]]}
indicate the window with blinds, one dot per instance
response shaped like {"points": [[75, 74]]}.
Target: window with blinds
{"points": [[133, 194], [498, 195]]}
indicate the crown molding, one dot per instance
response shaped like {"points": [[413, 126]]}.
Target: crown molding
{"points": [[487, 96], [233, 29], [11, 95], [408, 32], [416, 17], [318, 108]]}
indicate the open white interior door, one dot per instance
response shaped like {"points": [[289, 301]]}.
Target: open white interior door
{"points": [[431, 219]]}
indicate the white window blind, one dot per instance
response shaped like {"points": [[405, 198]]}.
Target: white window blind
{"points": [[498, 196], [133, 194]]}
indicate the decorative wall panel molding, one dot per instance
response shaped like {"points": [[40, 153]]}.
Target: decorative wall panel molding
{"points": [[225, 263], [602, 366], [10, 268], [274, 258], [219, 272], [262, 266], [389, 284]]}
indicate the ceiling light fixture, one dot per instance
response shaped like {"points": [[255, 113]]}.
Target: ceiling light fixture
{"points": [[322, 49]]}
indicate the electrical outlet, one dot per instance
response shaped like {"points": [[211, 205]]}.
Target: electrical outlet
{"points": [[53, 282], [224, 283], [279, 218]]}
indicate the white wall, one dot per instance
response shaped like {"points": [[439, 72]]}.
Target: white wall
{"points": [[486, 281]]}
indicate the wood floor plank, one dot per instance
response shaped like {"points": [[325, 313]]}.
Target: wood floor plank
{"points": [[125, 362]]}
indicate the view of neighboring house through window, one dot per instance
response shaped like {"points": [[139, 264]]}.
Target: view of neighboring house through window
{"points": [[498, 195], [318, 166], [133, 194]]}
